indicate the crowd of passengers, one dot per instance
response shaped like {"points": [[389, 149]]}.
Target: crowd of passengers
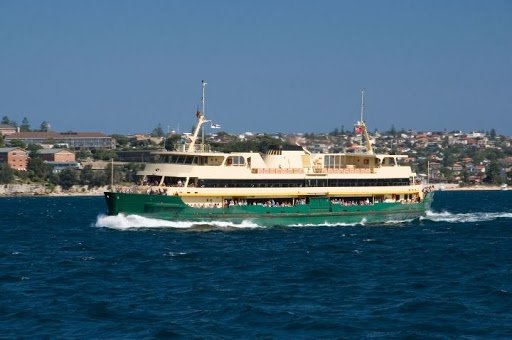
{"points": [[156, 191], [234, 203], [368, 202], [428, 189], [269, 203], [351, 202], [156, 182], [150, 182]]}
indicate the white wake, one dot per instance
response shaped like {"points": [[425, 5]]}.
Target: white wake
{"points": [[360, 223], [127, 222], [446, 216], [130, 222]]}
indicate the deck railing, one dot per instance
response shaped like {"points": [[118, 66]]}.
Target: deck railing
{"points": [[197, 147], [315, 170]]}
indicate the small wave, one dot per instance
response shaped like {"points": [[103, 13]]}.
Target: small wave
{"points": [[393, 222], [128, 222], [446, 216], [325, 224]]}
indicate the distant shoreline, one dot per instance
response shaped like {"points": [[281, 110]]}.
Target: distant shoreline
{"points": [[41, 190], [456, 187]]}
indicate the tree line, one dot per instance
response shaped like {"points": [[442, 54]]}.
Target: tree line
{"points": [[25, 125]]}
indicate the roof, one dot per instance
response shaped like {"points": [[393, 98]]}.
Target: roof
{"points": [[5, 150], [7, 126], [51, 151], [55, 135]]}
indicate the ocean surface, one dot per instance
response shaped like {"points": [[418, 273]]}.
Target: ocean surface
{"points": [[69, 271]]}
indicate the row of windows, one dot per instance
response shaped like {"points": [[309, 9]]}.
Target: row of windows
{"points": [[201, 160], [279, 183]]}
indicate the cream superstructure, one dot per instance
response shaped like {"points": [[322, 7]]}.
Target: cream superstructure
{"points": [[204, 177]]}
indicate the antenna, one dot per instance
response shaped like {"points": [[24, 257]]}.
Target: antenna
{"points": [[112, 175], [362, 104], [361, 127], [203, 100]]}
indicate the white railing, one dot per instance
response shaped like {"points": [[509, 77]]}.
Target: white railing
{"points": [[197, 147]]}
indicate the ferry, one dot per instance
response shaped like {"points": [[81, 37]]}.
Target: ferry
{"points": [[286, 185]]}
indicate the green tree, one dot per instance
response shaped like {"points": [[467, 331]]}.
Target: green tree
{"points": [[38, 170], [45, 126], [100, 179], [6, 173], [83, 154], [66, 179], [392, 131], [16, 143], [493, 133], [493, 172], [25, 125], [465, 175], [447, 173], [32, 149], [104, 155], [158, 131], [169, 142], [131, 170], [5, 120], [121, 140], [87, 175]]}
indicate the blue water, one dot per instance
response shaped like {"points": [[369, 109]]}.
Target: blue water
{"points": [[67, 271]]}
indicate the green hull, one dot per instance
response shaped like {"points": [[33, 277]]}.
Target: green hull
{"points": [[319, 210]]}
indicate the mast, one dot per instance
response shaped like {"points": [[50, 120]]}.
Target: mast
{"points": [[112, 174], [203, 100], [362, 105], [361, 124], [200, 121]]}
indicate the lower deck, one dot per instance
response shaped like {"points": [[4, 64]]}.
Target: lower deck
{"points": [[320, 209]]}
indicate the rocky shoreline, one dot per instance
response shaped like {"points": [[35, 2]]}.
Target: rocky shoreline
{"points": [[45, 190], [456, 187]]}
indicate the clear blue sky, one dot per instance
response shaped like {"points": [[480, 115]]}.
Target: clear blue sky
{"points": [[290, 66]]}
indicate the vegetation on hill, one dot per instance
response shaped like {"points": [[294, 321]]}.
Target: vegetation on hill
{"points": [[487, 161]]}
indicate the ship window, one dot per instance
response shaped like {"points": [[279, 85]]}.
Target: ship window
{"points": [[290, 183], [152, 180], [388, 161], [235, 161], [174, 181], [332, 161]]}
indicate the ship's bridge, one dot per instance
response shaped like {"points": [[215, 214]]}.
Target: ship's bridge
{"points": [[286, 157]]}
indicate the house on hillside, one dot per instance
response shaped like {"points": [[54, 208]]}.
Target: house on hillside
{"points": [[16, 158], [59, 159], [56, 155]]}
